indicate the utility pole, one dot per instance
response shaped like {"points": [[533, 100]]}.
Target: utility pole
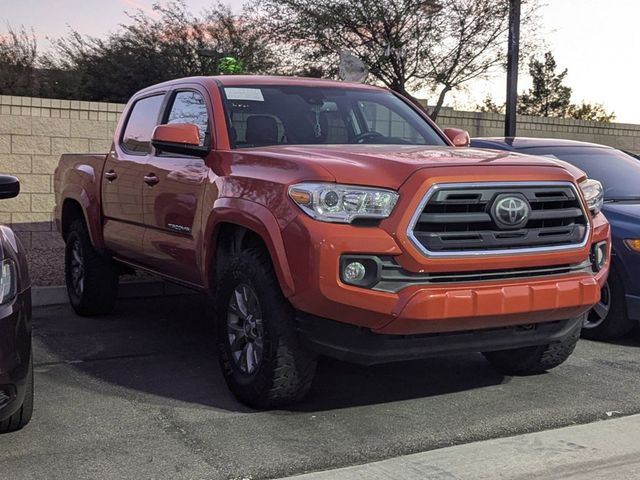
{"points": [[512, 68]]}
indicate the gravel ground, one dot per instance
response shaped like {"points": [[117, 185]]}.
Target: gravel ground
{"points": [[46, 267]]}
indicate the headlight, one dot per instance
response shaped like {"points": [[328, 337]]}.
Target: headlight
{"points": [[593, 194], [7, 280], [331, 202]]}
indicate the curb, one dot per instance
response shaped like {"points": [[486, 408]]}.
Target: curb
{"points": [[57, 294]]}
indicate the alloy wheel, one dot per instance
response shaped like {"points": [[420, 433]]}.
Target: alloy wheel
{"points": [[77, 268], [600, 310], [245, 329]]}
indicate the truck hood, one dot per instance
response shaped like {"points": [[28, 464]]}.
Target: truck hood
{"points": [[390, 165]]}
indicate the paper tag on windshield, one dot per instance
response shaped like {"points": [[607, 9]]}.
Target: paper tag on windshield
{"points": [[254, 94]]}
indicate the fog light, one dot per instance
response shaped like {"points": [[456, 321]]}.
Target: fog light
{"points": [[360, 270], [354, 272], [599, 256]]}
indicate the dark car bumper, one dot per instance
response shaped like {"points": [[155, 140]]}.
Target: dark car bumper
{"points": [[362, 346], [633, 307], [15, 352]]}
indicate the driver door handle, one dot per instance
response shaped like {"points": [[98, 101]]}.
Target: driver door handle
{"points": [[111, 175], [151, 179]]}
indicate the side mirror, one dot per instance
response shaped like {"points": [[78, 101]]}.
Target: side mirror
{"points": [[459, 138], [9, 186], [181, 138]]}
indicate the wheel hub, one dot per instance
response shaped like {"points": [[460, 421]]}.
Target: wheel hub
{"points": [[600, 310], [76, 268], [244, 328]]}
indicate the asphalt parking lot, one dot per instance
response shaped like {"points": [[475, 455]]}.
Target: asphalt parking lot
{"points": [[138, 394]]}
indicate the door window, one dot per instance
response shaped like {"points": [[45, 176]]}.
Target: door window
{"points": [[190, 107], [142, 120]]}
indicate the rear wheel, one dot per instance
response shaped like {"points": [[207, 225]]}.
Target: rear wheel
{"points": [[23, 415], [534, 360], [608, 319], [261, 359], [92, 279]]}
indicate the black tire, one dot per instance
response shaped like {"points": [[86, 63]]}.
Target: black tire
{"points": [[23, 415], [534, 360], [97, 292], [284, 370], [615, 323]]}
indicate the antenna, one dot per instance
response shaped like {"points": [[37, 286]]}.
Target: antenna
{"points": [[351, 68]]}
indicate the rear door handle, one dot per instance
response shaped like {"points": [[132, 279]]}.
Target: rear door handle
{"points": [[151, 179], [111, 175]]}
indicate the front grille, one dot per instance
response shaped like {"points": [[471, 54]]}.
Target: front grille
{"points": [[461, 219], [394, 278]]}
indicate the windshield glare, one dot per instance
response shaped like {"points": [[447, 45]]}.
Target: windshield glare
{"points": [[295, 115], [618, 172]]}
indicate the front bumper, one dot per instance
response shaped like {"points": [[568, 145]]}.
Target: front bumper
{"points": [[362, 346], [15, 352], [314, 250]]}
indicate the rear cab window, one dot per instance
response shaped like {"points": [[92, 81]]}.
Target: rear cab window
{"points": [[136, 137]]}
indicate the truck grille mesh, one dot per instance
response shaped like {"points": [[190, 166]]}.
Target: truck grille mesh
{"points": [[462, 219]]}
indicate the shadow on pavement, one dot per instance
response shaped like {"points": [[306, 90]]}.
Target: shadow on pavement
{"points": [[165, 347]]}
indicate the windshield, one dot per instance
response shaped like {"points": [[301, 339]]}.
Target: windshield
{"points": [[295, 115], [618, 172]]}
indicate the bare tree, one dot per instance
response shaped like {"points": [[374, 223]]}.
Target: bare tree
{"points": [[438, 45]]}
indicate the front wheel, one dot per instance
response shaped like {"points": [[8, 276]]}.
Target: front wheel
{"points": [[261, 359], [92, 280], [608, 319], [534, 360]]}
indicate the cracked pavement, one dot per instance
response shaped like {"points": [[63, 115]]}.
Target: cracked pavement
{"points": [[138, 394]]}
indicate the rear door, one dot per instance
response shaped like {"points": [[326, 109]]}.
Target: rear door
{"points": [[123, 175], [173, 190]]}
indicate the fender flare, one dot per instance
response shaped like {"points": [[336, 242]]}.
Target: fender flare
{"points": [[257, 218], [89, 201]]}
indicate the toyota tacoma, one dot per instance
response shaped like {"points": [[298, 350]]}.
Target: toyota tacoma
{"points": [[330, 218]]}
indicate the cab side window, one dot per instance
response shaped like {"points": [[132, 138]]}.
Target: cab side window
{"points": [[190, 107], [142, 120]]}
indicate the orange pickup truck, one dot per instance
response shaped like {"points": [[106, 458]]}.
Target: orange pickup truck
{"points": [[333, 218]]}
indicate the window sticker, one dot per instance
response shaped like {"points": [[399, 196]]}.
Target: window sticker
{"points": [[254, 94]]}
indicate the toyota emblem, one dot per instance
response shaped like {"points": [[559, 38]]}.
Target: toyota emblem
{"points": [[511, 211]]}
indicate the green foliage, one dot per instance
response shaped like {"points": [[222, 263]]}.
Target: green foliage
{"points": [[154, 49], [594, 112], [488, 105], [18, 58], [548, 97], [230, 66]]}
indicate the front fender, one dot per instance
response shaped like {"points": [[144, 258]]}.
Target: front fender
{"points": [[255, 217]]}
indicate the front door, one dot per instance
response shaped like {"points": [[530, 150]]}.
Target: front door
{"points": [[172, 194], [122, 179]]}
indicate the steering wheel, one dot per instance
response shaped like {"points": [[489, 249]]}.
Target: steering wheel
{"points": [[363, 136]]}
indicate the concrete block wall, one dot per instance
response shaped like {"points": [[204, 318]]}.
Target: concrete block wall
{"points": [[34, 132], [619, 135]]}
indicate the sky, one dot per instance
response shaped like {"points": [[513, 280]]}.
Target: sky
{"points": [[596, 40]]}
